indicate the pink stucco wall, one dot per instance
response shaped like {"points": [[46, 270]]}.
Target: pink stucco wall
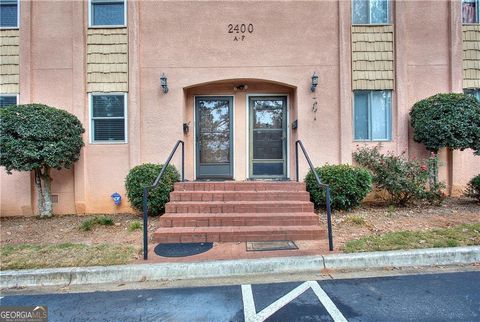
{"points": [[188, 41]]}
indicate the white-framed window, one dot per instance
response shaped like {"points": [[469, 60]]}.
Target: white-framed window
{"points": [[9, 14], [8, 99], [471, 11], [108, 118], [474, 92], [370, 12], [372, 115], [107, 13]]}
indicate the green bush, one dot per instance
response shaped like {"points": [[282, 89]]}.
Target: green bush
{"points": [[447, 120], [134, 225], [348, 186], [143, 176], [403, 180], [473, 188]]}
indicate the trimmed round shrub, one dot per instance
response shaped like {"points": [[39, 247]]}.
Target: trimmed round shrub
{"points": [[143, 176], [348, 186], [447, 121], [473, 188]]}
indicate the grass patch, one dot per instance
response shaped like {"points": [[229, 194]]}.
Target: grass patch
{"points": [[355, 219], [89, 223], [462, 235], [23, 256], [135, 225]]}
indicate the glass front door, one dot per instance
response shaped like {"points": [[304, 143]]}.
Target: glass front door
{"points": [[268, 137], [214, 151]]}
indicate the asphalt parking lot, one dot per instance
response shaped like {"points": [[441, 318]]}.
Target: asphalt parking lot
{"points": [[421, 297]]}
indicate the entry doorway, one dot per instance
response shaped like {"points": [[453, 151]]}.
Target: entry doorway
{"points": [[268, 137], [213, 137]]}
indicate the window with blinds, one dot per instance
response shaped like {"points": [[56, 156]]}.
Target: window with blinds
{"points": [[370, 11], [108, 118], [372, 115], [107, 13], [7, 100], [8, 14]]}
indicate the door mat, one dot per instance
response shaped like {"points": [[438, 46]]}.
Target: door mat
{"points": [[182, 250], [271, 245]]}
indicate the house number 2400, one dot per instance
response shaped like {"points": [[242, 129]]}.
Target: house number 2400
{"points": [[240, 28]]}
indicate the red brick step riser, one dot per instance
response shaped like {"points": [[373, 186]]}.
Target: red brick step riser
{"points": [[239, 186], [239, 196], [172, 207], [219, 222], [237, 237]]}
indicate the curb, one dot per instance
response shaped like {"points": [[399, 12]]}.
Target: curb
{"points": [[236, 268]]}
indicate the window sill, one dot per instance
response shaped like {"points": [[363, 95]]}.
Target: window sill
{"points": [[108, 142], [10, 28], [471, 23], [371, 141], [108, 27], [371, 24]]}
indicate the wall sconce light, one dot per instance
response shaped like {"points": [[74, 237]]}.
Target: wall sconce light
{"points": [[241, 87], [163, 83], [186, 128], [314, 82]]}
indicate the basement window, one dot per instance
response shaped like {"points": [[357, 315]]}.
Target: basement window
{"points": [[372, 115], [108, 118], [7, 100], [475, 92], [370, 12], [8, 14], [470, 11], [108, 13]]}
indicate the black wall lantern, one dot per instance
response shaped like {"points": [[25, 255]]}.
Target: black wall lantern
{"points": [[314, 82], [163, 83]]}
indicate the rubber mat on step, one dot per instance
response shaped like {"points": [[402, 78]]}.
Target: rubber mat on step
{"points": [[182, 250]]}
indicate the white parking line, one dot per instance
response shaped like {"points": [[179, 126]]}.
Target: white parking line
{"points": [[251, 315], [331, 308]]}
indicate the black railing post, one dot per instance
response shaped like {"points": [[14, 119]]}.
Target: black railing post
{"points": [[145, 223], [329, 219], [296, 161], [321, 186], [183, 161]]}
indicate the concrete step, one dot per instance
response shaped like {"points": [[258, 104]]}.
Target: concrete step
{"points": [[236, 219], [223, 195], [237, 234], [240, 186], [238, 206]]}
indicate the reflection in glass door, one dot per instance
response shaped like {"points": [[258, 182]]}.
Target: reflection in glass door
{"points": [[268, 137], [214, 137]]}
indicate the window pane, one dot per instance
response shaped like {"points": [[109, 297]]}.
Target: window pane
{"points": [[7, 101], [360, 12], [8, 14], [268, 169], [214, 116], [268, 114], [109, 130], [108, 105], [215, 147], [379, 11], [268, 144], [380, 111], [470, 11], [361, 116], [107, 13], [473, 92]]}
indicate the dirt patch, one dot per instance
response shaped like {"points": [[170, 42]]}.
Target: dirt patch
{"points": [[66, 229], [377, 220]]}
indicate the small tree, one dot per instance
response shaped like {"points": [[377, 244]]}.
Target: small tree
{"points": [[447, 121], [35, 137]]}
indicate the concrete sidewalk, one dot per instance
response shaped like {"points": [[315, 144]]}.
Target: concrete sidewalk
{"points": [[237, 268]]}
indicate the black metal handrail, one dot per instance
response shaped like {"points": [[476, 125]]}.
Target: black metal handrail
{"points": [[155, 185], [321, 185]]}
